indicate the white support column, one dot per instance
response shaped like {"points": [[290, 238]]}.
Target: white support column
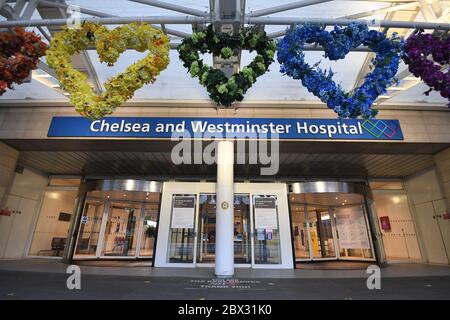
{"points": [[225, 210]]}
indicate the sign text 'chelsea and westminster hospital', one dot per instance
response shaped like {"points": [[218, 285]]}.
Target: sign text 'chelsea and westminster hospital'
{"points": [[253, 128]]}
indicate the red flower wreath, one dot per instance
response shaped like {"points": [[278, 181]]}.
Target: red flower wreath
{"points": [[19, 54]]}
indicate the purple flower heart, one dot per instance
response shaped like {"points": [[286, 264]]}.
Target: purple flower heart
{"points": [[428, 57]]}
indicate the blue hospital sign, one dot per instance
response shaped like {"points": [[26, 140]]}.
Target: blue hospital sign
{"points": [[252, 128]]}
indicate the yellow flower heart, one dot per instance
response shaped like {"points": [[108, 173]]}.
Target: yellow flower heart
{"points": [[110, 44]]}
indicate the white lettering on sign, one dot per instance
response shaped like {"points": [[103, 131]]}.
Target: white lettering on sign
{"points": [[122, 126], [330, 129], [247, 127]]}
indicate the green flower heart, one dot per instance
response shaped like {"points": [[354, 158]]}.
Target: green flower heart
{"points": [[221, 89]]}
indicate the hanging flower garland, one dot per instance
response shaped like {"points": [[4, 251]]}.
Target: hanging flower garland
{"points": [[337, 44], [110, 44], [426, 56], [19, 54], [221, 89]]}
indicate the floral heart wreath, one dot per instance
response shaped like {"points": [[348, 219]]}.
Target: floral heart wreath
{"points": [[110, 44], [19, 54], [337, 44], [426, 55], [224, 90]]}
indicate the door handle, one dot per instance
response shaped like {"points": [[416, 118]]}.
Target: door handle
{"points": [[439, 216]]}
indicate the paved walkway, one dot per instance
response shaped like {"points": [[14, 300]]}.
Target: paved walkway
{"points": [[46, 279], [56, 266]]}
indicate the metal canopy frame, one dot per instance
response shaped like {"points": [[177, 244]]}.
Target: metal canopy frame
{"points": [[230, 16]]}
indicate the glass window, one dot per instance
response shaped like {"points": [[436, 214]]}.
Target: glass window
{"points": [[242, 244], [207, 229], [53, 225], [150, 222], [206, 243], [351, 228], [300, 231], [321, 232], [89, 232], [267, 232], [181, 235], [121, 234]]}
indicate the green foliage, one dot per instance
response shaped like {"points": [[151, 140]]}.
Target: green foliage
{"points": [[223, 90]]}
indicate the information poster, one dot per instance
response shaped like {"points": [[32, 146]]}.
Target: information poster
{"points": [[183, 212], [265, 213], [351, 226]]}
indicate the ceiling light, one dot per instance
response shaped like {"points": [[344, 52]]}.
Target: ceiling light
{"points": [[396, 88], [411, 79], [42, 76]]}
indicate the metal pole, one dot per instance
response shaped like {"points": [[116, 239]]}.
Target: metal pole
{"points": [[345, 22], [173, 7], [174, 46], [105, 21], [107, 15], [285, 7], [248, 20], [51, 4]]}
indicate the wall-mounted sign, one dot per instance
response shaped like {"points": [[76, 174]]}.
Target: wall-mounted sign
{"points": [[252, 128], [352, 229], [265, 213], [183, 212], [63, 216], [385, 224]]}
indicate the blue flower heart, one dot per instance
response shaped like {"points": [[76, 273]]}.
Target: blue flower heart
{"points": [[337, 44]]}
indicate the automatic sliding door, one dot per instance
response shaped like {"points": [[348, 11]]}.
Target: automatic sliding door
{"points": [[300, 232], [148, 231], [321, 232], [182, 229], [121, 235], [206, 244], [267, 232], [242, 244], [89, 232], [352, 231]]}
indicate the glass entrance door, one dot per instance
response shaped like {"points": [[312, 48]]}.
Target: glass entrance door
{"points": [[206, 244], [89, 232], [121, 236], [330, 232], [321, 230], [148, 231]]}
